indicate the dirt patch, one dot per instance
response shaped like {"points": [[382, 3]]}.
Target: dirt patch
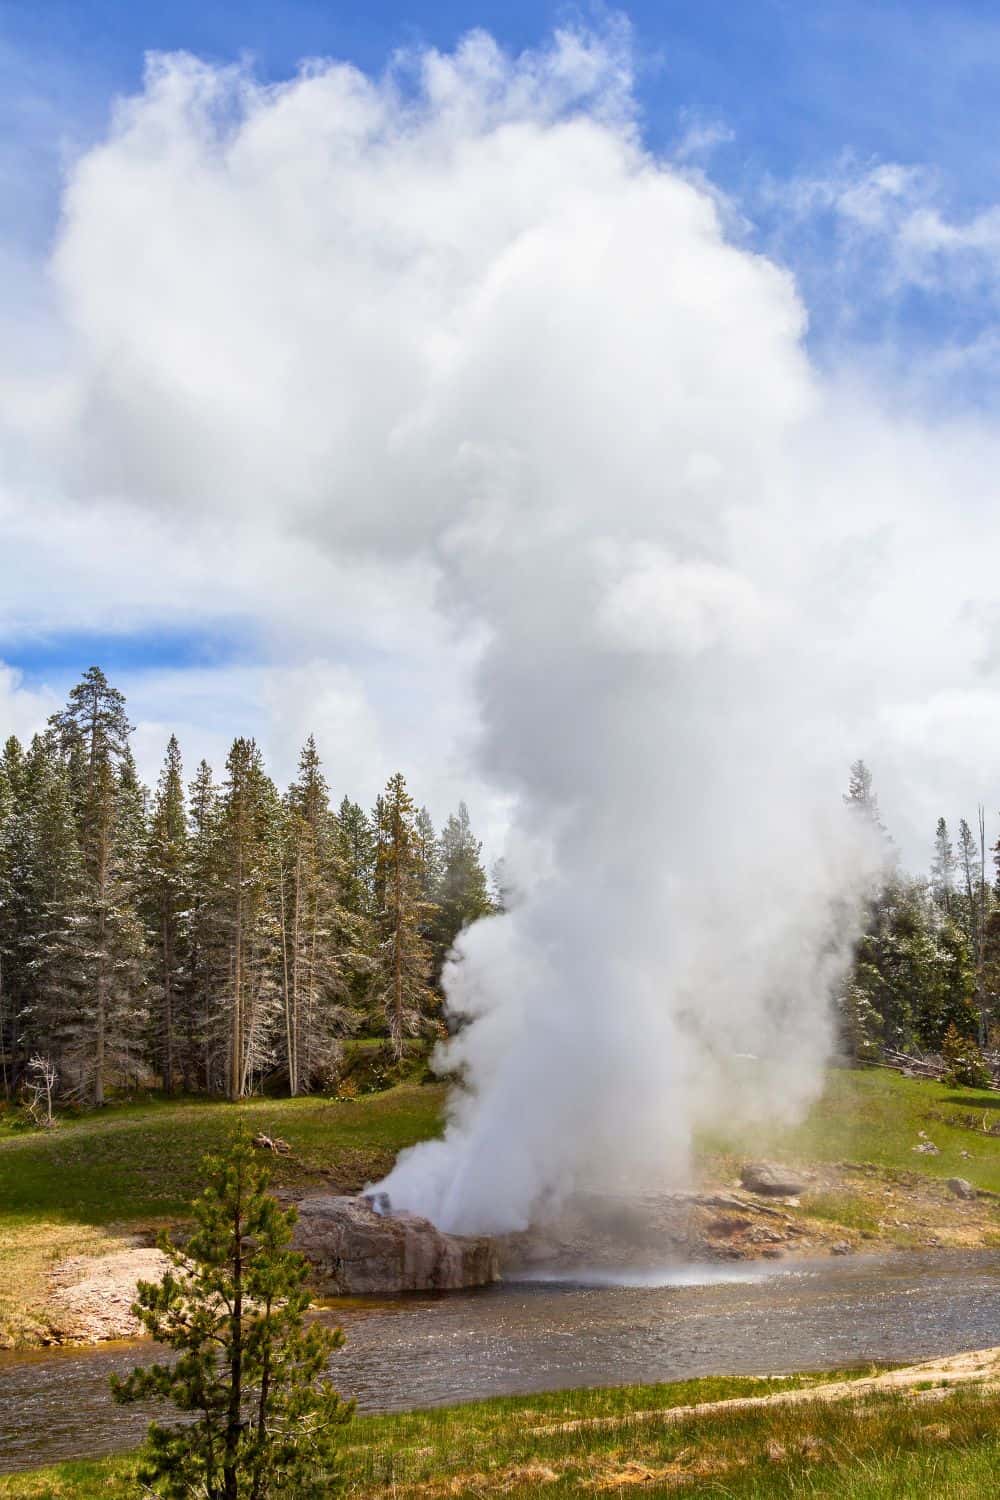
{"points": [[91, 1296]]}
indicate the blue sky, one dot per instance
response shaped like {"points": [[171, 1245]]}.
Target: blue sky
{"points": [[854, 143], [794, 87], [797, 81]]}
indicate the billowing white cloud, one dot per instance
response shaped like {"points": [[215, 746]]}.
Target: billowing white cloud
{"points": [[517, 470]]}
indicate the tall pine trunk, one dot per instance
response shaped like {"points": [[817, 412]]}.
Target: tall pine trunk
{"points": [[168, 1008]]}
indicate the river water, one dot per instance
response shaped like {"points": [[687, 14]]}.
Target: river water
{"points": [[538, 1335]]}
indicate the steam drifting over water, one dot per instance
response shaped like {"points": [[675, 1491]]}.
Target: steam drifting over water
{"points": [[457, 329]]}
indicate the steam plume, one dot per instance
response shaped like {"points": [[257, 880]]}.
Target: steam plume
{"points": [[458, 324]]}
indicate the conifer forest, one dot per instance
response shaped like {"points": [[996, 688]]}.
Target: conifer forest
{"points": [[218, 935], [212, 934]]}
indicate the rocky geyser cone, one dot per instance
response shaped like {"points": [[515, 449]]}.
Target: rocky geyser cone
{"points": [[359, 1252]]}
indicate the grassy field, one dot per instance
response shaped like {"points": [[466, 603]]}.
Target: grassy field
{"points": [[132, 1168], [889, 1446], [875, 1116]]}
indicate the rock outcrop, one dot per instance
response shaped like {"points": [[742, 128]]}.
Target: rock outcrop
{"points": [[771, 1181], [358, 1249]]}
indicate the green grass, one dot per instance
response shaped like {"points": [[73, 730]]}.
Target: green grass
{"points": [[885, 1446], [137, 1165], [875, 1116], [132, 1167], [142, 1160]]}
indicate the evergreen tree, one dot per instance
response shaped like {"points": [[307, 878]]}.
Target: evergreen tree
{"points": [[946, 998], [862, 803], [266, 1421], [93, 732], [381, 837], [167, 888], [943, 869], [428, 854], [463, 895], [970, 871], [319, 934], [50, 918], [500, 887], [894, 961], [860, 797], [128, 1018], [11, 764], [357, 844], [248, 873], [212, 942], [206, 1033], [967, 1067], [92, 729], [403, 962]]}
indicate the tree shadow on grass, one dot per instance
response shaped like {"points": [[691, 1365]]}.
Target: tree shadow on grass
{"points": [[974, 1101]]}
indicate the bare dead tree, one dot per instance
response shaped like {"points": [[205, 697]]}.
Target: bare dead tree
{"points": [[40, 1085]]}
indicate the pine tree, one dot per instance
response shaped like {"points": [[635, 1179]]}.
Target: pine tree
{"points": [[893, 961], [51, 917], [11, 772], [428, 854], [266, 1421], [249, 873], [357, 847], [500, 888], [92, 728], [319, 934], [128, 1019], [167, 890], [380, 843], [463, 895], [943, 869], [206, 1033], [971, 875], [945, 1000], [403, 963], [861, 801], [93, 733]]}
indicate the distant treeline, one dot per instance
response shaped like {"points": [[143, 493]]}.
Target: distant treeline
{"points": [[215, 937], [225, 936], [926, 976]]}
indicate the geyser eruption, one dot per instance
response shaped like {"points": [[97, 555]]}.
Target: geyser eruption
{"points": [[459, 328], [684, 891]]}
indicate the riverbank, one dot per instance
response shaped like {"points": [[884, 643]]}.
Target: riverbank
{"points": [[109, 1181], [930, 1429], [103, 1184]]}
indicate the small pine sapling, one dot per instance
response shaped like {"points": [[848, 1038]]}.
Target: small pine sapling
{"points": [[266, 1421], [966, 1064]]}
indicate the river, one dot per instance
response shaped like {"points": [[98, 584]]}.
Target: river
{"points": [[537, 1335]]}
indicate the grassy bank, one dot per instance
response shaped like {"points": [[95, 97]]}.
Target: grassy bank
{"points": [[884, 1446], [876, 1116], [131, 1168], [867, 1182]]}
